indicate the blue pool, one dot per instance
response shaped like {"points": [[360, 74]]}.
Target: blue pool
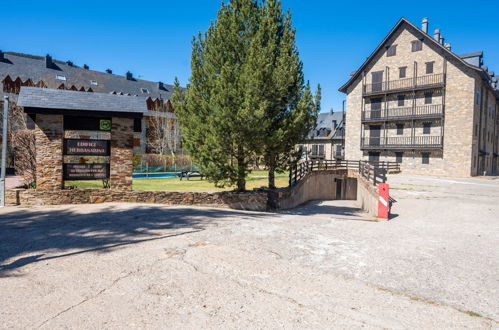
{"points": [[155, 175]]}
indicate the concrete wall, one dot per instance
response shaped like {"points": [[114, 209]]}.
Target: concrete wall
{"points": [[367, 196]]}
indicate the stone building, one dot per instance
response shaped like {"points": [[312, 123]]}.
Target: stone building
{"points": [[17, 70], [326, 140], [416, 102]]}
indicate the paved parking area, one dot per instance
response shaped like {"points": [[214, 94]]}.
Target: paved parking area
{"points": [[324, 265]]}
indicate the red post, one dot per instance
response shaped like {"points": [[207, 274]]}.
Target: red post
{"points": [[383, 200]]}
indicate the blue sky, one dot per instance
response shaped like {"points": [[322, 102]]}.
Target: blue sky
{"points": [[152, 38]]}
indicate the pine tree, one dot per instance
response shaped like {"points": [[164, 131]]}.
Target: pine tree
{"points": [[276, 88], [246, 95]]}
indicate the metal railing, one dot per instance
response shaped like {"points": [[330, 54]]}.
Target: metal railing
{"points": [[402, 142], [372, 171], [414, 112], [432, 80]]}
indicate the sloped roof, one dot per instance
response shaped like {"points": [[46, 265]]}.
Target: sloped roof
{"points": [[403, 21], [71, 100], [324, 128], [34, 68]]}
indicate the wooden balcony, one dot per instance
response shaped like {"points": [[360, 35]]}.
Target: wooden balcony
{"points": [[402, 142], [407, 84], [407, 113]]}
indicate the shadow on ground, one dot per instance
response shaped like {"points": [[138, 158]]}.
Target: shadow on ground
{"points": [[339, 212], [38, 231]]}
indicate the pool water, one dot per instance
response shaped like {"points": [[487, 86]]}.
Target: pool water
{"points": [[155, 175]]}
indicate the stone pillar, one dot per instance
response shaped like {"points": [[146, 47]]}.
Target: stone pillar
{"points": [[121, 154], [49, 137]]}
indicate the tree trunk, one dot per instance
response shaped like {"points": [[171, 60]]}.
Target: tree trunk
{"points": [[272, 166], [241, 179]]}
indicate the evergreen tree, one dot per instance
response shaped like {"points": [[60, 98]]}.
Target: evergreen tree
{"points": [[276, 88], [246, 95]]}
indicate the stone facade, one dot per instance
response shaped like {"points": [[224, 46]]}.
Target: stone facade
{"points": [[455, 101], [49, 160], [121, 166]]}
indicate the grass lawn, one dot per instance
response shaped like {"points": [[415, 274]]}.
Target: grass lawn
{"points": [[256, 179]]}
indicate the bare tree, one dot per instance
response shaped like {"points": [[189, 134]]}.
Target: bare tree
{"points": [[25, 154], [164, 134]]}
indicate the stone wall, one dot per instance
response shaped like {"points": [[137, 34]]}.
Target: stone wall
{"points": [[49, 137], [254, 201], [121, 165]]}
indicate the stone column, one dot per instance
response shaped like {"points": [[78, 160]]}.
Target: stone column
{"points": [[49, 137], [121, 154]]}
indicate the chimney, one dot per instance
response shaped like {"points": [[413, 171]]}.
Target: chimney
{"points": [[86, 67], [448, 46], [442, 40], [424, 25], [109, 71], [2, 57], [436, 35], [129, 75], [161, 86], [48, 61], [69, 63]]}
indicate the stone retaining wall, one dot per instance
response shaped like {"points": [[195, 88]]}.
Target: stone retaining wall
{"points": [[254, 201]]}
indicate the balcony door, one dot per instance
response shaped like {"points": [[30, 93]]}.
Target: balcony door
{"points": [[374, 135], [376, 108], [374, 157], [377, 81]]}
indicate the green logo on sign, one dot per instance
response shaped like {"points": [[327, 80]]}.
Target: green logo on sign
{"points": [[105, 125]]}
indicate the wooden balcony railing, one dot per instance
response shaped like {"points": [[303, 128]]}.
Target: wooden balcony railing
{"points": [[415, 112], [427, 81], [402, 142]]}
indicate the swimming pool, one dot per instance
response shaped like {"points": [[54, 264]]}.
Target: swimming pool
{"points": [[155, 175]]}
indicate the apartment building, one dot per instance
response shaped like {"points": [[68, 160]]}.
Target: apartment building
{"points": [[416, 102], [327, 139], [17, 70]]}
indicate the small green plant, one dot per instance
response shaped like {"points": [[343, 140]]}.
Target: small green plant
{"points": [[471, 313]]}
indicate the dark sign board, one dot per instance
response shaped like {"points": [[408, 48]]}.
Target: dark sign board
{"points": [[86, 171], [81, 123], [87, 147]]}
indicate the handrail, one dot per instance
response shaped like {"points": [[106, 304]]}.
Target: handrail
{"points": [[402, 141], [436, 79], [372, 171], [423, 111]]}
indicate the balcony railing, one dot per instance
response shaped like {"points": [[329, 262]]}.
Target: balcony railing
{"points": [[402, 142], [422, 82], [415, 112]]}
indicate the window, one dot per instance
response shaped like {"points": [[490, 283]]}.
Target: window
{"points": [[428, 97], [400, 129], [476, 129], [137, 125], [425, 158], [94, 82], [321, 150], [60, 77], [402, 72], [392, 50], [144, 90], [426, 128], [399, 156], [401, 100], [314, 149], [478, 98], [417, 45], [429, 67]]}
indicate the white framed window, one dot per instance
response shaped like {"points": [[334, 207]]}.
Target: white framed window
{"points": [[144, 90], [94, 82], [60, 77]]}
